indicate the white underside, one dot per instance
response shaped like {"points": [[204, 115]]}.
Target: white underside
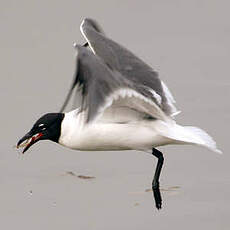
{"points": [[140, 135], [135, 135]]}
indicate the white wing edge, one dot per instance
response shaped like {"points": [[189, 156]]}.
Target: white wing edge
{"points": [[148, 107], [170, 100], [84, 35]]}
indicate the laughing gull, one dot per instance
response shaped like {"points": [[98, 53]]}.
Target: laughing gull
{"points": [[123, 106]]}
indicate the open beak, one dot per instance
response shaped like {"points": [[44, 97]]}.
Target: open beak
{"points": [[28, 140]]}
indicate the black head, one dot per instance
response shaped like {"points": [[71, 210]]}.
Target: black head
{"points": [[48, 127]]}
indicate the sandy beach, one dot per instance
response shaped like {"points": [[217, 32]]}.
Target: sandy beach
{"points": [[51, 187]]}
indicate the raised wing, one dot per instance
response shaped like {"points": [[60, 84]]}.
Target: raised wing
{"points": [[130, 66], [102, 88]]}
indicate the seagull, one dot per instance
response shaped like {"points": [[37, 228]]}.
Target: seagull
{"points": [[123, 105]]}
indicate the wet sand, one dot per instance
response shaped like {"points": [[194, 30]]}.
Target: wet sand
{"points": [[51, 187]]}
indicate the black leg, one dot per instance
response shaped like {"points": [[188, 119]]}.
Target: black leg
{"points": [[155, 183]]}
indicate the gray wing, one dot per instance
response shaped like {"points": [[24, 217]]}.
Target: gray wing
{"points": [[130, 66], [102, 88]]}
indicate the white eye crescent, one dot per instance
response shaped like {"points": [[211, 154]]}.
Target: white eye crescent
{"points": [[41, 125]]}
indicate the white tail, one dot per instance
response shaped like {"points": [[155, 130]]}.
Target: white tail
{"points": [[197, 136], [188, 135]]}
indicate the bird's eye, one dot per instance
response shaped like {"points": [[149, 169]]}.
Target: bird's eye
{"points": [[42, 126]]}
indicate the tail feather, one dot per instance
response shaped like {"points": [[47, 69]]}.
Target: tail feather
{"points": [[200, 137], [190, 135]]}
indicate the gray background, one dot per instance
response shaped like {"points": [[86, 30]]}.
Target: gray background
{"points": [[188, 43]]}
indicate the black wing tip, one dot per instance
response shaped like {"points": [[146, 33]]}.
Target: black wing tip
{"points": [[86, 44]]}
